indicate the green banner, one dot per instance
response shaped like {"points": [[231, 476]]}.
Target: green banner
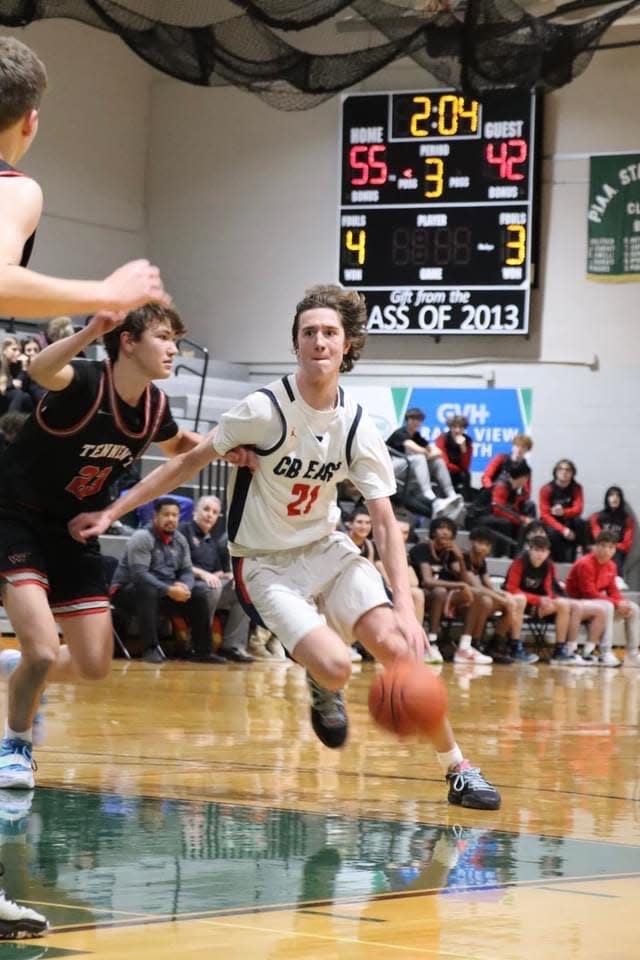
{"points": [[614, 218]]}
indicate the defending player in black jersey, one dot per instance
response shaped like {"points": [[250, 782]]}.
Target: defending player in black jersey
{"points": [[97, 418], [24, 293]]}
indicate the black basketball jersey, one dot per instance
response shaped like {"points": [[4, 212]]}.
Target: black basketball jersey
{"points": [[6, 170], [78, 442], [534, 579]]}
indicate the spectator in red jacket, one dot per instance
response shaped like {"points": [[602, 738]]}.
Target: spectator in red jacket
{"points": [[593, 578], [561, 506], [521, 446], [533, 575], [509, 508], [457, 452], [617, 520]]}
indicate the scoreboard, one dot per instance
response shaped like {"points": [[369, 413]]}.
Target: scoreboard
{"points": [[437, 210]]}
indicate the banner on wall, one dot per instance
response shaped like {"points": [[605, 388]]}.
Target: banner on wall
{"points": [[495, 416], [613, 253]]}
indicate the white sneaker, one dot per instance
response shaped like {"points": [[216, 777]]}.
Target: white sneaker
{"points": [[20, 923], [446, 506], [609, 659], [471, 655], [435, 656], [16, 765], [632, 660], [9, 660]]}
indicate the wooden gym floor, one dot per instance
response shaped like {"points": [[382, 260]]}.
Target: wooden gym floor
{"points": [[188, 811]]}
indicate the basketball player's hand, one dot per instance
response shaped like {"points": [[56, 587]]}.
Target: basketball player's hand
{"points": [[88, 525], [132, 285], [106, 320], [242, 457], [413, 633]]}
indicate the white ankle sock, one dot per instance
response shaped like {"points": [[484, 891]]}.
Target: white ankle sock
{"points": [[464, 643], [25, 735], [451, 758], [433, 638]]}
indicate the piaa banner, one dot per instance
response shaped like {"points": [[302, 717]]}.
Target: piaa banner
{"points": [[613, 253]]}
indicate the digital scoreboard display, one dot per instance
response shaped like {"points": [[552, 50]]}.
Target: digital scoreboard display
{"points": [[437, 210]]}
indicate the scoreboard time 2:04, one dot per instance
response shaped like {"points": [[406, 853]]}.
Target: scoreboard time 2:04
{"points": [[436, 212]]}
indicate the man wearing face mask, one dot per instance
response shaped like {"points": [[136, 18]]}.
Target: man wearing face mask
{"points": [[211, 566]]}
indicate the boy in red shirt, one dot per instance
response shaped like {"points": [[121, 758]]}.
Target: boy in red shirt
{"points": [[593, 578]]}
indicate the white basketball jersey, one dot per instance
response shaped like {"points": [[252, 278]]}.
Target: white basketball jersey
{"points": [[290, 501]]}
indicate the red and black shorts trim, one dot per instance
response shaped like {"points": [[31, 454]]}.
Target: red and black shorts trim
{"points": [[38, 551]]}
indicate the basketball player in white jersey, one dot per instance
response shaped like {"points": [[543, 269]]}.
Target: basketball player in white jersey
{"points": [[294, 573]]}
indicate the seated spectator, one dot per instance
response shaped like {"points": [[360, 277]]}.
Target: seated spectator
{"points": [[561, 506], [359, 532], [212, 565], [441, 572], [532, 575], [492, 600], [30, 348], [13, 398], [10, 426], [509, 508], [58, 328], [535, 528], [457, 452], [593, 578], [426, 464], [155, 577], [521, 446], [615, 518]]}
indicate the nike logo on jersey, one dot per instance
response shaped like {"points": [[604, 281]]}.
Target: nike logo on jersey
{"points": [[306, 470]]}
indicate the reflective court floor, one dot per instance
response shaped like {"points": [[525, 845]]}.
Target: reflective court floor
{"points": [[188, 810]]}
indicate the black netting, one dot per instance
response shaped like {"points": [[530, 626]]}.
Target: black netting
{"points": [[296, 53]]}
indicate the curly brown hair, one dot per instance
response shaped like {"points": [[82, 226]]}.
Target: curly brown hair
{"points": [[23, 80], [350, 307], [137, 321]]}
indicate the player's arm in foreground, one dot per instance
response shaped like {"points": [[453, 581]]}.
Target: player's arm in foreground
{"points": [[162, 480], [52, 369], [390, 544], [30, 295]]}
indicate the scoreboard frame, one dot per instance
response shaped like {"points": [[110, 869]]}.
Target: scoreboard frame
{"points": [[430, 302]]}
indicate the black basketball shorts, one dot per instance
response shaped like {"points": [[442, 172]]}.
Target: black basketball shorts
{"points": [[38, 550]]}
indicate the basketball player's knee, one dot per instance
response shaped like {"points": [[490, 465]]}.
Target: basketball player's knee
{"points": [[38, 662], [94, 668], [337, 669]]}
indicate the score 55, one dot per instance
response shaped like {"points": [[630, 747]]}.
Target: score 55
{"points": [[369, 165]]}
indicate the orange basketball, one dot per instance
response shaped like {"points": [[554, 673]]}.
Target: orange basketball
{"points": [[407, 697]]}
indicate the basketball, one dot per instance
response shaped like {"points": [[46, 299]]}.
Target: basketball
{"points": [[406, 698]]}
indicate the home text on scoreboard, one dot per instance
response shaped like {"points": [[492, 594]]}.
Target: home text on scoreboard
{"points": [[437, 210]]}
